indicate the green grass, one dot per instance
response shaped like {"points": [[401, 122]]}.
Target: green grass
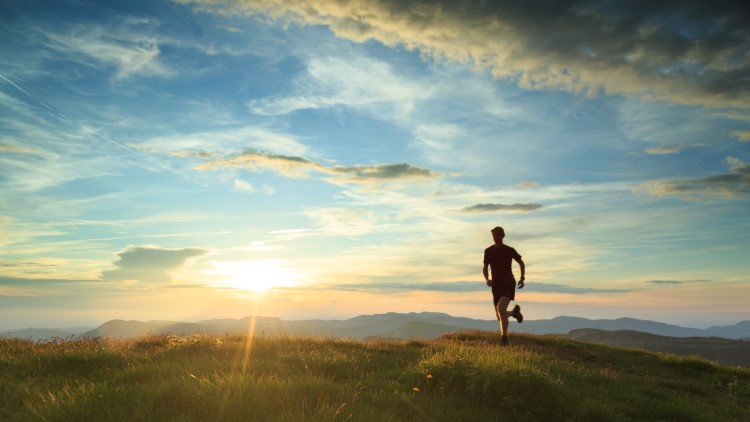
{"points": [[464, 376]]}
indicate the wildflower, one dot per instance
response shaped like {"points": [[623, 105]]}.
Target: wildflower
{"points": [[429, 376], [415, 389]]}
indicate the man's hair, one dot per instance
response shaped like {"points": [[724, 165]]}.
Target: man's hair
{"points": [[498, 229]]}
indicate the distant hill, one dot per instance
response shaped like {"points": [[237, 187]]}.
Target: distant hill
{"points": [[361, 327], [425, 325], [721, 350], [37, 334], [128, 329], [420, 330], [564, 324], [719, 343], [738, 330]]}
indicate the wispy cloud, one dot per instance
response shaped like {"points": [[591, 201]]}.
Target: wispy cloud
{"points": [[340, 221], [57, 148], [227, 140], [129, 51], [658, 128], [39, 282], [741, 135], [666, 150], [502, 208], [579, 46], [301, 167], [676, 281], [243, 186], [355, 81], [20, 150], [729, 185], [288, 166], [379, 172], [560, 288]]}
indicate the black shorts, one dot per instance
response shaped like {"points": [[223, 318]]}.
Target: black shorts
{"points": [[506, 288]]}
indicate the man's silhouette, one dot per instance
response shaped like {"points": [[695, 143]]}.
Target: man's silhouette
{"points": [[499, 258]]}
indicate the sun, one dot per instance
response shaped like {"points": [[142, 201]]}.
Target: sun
{"points": [[258, 275]]}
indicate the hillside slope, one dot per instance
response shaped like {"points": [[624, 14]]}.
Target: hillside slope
{"points": [[463, 376]]}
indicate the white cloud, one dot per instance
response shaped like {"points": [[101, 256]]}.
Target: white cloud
{"points": [[243, 186], [741, 135]]}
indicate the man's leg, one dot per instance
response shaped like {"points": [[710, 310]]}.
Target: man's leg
{"points": [[502, 314], [497, 314]]}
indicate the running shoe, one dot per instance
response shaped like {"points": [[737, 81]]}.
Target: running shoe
{"points": [[517, 313]]}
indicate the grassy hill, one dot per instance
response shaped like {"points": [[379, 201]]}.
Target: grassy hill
{"points": [[462, 376]]}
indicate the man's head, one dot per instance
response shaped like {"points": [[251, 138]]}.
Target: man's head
{"points": [[498, 234]]}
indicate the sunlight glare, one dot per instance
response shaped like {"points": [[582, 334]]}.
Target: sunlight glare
{"points": [[257, 275]]}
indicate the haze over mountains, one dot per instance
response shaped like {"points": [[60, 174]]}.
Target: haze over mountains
{"points": [[425, 325]]}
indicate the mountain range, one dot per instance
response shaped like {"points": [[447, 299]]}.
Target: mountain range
{"points": [[425, 325], [728, 345], [721, 350]]}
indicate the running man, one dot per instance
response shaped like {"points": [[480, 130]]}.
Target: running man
{"points": [[499, 257]]}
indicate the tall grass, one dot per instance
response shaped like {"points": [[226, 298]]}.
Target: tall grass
{"points": [[464, 376]]}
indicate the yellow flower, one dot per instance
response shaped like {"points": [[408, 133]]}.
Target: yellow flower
{"points": [[415, 389]]}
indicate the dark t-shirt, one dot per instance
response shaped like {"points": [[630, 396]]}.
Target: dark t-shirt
{"points": [[500, 258]]}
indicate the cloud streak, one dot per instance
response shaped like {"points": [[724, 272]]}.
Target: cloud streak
{"points": [[301, 167], [365, 174], [130, 52], [733, 184], [464, 286], [667, 282], [478, 208], [288, 166], [589, 47], [667, 149]]}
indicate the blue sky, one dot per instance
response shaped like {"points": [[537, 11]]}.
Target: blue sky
{"points": [[325, 159]]}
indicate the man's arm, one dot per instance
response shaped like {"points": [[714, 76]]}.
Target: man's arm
{"points": [[523, 273], [486, 274]]}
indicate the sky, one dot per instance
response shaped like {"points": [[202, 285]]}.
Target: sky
{"points": [[323, 159]]}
